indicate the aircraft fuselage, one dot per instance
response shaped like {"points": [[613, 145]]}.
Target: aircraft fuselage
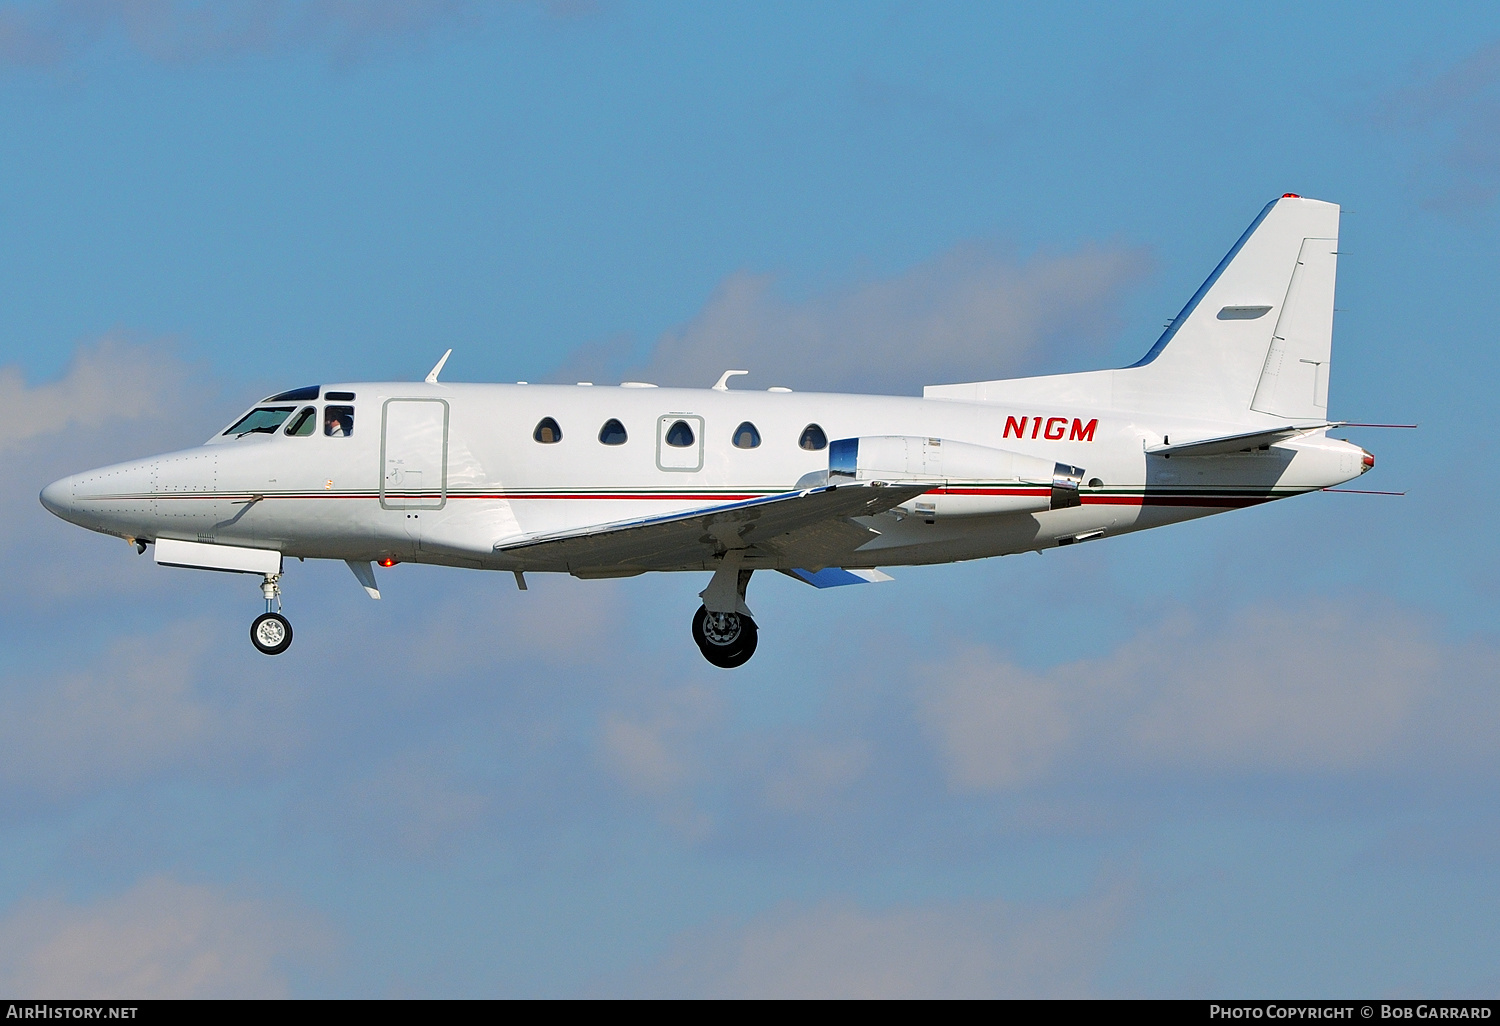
{"points": [[442, 473]]}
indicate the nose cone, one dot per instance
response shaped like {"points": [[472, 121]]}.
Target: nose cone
{"points": [[58, 498]]}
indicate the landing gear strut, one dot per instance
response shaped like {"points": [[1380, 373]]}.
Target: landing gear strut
{"points": [[271, 633], [722, 627]]}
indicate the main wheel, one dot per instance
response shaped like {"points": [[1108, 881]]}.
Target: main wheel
{"points": [[725, 639], [271, 633]]}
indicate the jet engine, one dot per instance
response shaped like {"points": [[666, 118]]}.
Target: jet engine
{"points": [[967, 480]]}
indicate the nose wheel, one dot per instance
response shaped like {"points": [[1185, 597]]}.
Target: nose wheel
{"points": [[725, 639], [271, 632]]}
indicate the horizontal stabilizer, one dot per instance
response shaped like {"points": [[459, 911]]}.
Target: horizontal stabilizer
{"points": [[1235, 443], [837, 577]]}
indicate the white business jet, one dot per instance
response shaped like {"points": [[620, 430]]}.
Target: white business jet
{"points": [[1228, 409]]}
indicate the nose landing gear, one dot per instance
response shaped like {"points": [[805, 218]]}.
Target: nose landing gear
{"points": [[271, 633]]}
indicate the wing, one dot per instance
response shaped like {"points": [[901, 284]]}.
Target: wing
{"points": [[811, 528]]}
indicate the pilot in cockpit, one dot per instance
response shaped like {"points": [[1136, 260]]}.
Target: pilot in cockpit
{"points": [[338, 421]]}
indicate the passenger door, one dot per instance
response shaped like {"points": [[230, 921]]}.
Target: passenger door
{"points": [[414, 454]]}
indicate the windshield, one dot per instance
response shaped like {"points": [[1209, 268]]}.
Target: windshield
{"points": [[262, 420]]}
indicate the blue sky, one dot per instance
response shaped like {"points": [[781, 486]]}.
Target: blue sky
{"points": [[1251, 755]]}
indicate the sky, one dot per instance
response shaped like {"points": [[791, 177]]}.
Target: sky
{"points": [[1252, 755]]}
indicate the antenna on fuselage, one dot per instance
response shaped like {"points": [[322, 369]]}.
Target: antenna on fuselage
{"points": [[723, 385], [432, 374]]}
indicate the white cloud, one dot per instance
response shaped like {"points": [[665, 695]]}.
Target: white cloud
{"points": [[1278, 688], [655, 752], [134, 710], [970, 313], [415, 806], [110, 381], [996, 726], [141, 707], [838, 949], [160, 939], [1288, 688], [1456, 117], [808, 773]]}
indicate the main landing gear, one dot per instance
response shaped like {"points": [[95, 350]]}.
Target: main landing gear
{"points": [[725, 639], [722, 627], [271, 633]]}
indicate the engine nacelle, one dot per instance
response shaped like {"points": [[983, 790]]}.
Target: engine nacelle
{"points": [[967, 480]]}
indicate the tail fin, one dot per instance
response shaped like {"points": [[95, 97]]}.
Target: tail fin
{"points": [[1257, 335]]}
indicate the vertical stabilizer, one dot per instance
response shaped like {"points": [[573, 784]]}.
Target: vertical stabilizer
{"points": [[1256, 336], [1252, 344]]}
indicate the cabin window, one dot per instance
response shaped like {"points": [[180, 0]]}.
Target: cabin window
{"points": [[679, 435], [612, 433], [547, 431], [746, 437], [261, 420], [338, 421], [304, 423], [813, 438]]}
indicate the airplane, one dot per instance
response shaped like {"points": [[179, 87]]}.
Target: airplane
{"points": [[1229, 408]]}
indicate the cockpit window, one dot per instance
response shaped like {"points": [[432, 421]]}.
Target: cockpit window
{"points": [[612, 433], [746, 437], [813, 438], [340, 397], [304, 423], [261, 420], [296, 394], [338, 421]]}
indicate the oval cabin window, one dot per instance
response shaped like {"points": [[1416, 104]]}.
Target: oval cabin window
{"points": [[612, 433], [746, 437], [547, 431], [679, 435], [813, 438]]}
